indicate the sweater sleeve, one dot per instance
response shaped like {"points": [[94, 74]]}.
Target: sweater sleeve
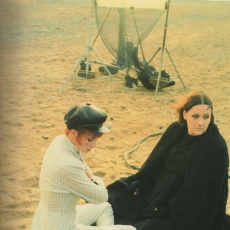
{"points": [[73, 178], [202, 199]]}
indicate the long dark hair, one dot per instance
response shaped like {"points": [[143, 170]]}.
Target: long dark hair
{"points": [[190, 99]]}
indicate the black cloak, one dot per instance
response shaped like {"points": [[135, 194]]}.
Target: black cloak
{"points": [[201, 201]]}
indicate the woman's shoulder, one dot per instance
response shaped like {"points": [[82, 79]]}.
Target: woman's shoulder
{"points": [[62, 147], [216, 136], [63, 142], [174, 126], [217, 146], [60, 137]]}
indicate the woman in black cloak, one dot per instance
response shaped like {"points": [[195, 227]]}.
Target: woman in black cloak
{"points": [[183, 185]]}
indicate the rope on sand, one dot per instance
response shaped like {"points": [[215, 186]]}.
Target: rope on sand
{"points": [[136, 147], [144, 138]]}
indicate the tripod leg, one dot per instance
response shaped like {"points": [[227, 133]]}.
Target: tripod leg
{"points": [[154, 55], [175, 69], [73, 70], [159, 74], [106, 68], [87, 63]]}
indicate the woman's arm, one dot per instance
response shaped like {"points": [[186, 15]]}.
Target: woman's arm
{"points": [[73, 177], [97, 180]]}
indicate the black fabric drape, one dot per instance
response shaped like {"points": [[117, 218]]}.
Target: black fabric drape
{"points": [[201, 202]]}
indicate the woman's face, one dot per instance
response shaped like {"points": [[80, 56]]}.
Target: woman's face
{"points": [[88, 143], [198, 118]]}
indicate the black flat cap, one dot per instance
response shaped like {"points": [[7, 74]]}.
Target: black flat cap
{"points": [[88, 117]]}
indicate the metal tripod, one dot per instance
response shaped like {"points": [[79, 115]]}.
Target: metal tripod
{"points": [[163, 48], [87, 50]]}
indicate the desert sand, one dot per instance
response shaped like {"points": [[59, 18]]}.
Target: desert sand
{"points": [[41, 41]]}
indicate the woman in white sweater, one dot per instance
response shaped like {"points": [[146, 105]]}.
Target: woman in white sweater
{"points": [[65, 178]]}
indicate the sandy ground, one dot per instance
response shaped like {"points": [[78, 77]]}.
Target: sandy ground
{"points": [[41, 41]]}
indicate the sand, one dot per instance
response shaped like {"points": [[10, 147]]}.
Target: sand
{"points": [[40, 43]]}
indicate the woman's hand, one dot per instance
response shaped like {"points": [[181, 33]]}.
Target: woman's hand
{"points": [[96, 180], [89, 174]]}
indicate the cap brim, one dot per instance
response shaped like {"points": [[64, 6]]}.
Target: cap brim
{"points": [[102, 130], [97, 128]]}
